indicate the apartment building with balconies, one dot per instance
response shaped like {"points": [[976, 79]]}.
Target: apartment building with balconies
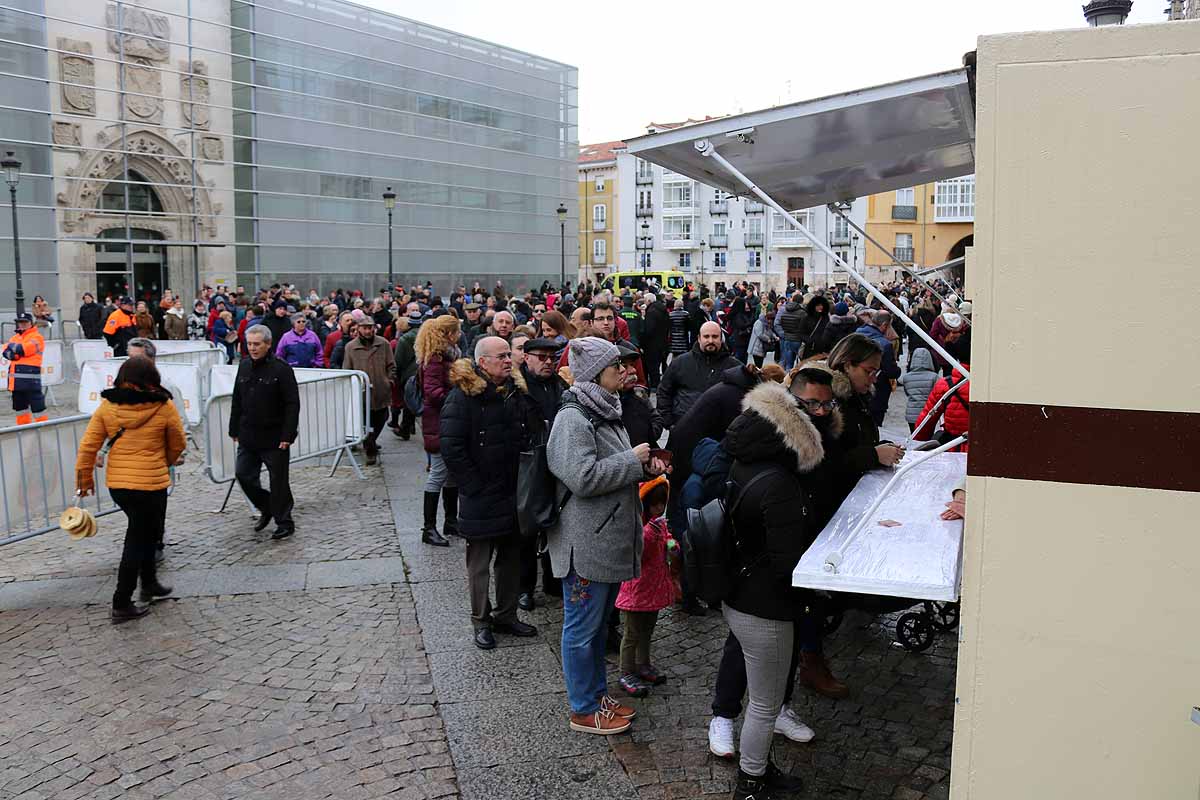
{"points": [[669, 221], [598, 217], [922, 226]]}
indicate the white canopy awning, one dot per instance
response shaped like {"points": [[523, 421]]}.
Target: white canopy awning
{"points": [[833, 148]]}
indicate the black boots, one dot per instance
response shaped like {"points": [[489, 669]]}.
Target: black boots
{"points": [[450, 507], [774, 784], [429, 531]]}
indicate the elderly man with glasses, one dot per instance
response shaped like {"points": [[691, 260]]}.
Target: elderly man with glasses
{"points": [[487, 420]]}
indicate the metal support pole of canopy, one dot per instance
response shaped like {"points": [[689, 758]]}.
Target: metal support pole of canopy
{"points": [[705, 148], [897, 262]]}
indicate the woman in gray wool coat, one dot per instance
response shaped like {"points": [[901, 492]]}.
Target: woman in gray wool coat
{"points": [[597, 541]]}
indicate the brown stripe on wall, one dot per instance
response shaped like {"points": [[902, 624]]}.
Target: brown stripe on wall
{"points": [[1100, 446]]}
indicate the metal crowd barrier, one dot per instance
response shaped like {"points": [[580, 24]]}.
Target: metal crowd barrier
{"points": [[70, 330], [37, 470], [334, 417], [46, 329]]}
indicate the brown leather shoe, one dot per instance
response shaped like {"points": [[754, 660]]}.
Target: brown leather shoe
{"points": [[617, 707], [814, 673], [604, 723]]}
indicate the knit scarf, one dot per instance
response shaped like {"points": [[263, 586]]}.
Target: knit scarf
{"points": [[598, 400]]}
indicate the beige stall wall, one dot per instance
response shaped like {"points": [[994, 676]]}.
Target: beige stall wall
{"points": [[1080, 655]]}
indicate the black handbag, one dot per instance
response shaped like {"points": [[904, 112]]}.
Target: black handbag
{"points": [[538, 505]]}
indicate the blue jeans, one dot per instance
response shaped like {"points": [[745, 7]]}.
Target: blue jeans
{"points": [[585, 608], [789, 351]]}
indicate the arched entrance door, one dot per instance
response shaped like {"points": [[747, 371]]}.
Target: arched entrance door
{"points": [[148, 261]]}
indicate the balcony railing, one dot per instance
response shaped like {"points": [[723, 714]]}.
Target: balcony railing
{"points": [[644, 178], [904, 254], [839, 240], [599, 225], [904, 212], [645, 211], [753, 239], [645, 242], [599, 258], [715, 240], [677, 240], [753, 207], [679, 207], [718, 206], [789, 237]]}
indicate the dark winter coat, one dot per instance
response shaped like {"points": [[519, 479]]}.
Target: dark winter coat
{"points": [[406, 357], [546, 393], [642, 422], [277, 325], [687, 377], [708, 418], [265, 407], [854, 451], [656, 329], [776, 520], [681, 331], [435, 385], [839, 328], [792, 321], [814, 328], [710, 470], [483, 429], [91, 320]]}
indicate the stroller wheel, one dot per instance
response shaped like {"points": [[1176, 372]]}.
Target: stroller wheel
{"points": [[914, 632], [832, 623], [943, 616]]}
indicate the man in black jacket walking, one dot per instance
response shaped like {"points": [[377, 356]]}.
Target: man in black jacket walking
{"points": [[263, 421]]}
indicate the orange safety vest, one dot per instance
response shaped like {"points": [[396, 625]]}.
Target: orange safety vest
{"points": [[24, 353]]}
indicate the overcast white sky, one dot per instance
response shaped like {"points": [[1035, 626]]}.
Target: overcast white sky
{"points": [[666, 60]]}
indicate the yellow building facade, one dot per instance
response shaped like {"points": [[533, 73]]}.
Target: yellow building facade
{"points": [[923, 226], [598, 209]]}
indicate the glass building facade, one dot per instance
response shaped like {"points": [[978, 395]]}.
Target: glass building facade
{"points": [[169, 143]]}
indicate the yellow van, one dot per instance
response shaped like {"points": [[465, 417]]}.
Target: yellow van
{"points": [[667, 279]]}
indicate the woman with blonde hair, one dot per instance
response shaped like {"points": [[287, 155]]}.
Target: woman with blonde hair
{"points": [[437, 349]]}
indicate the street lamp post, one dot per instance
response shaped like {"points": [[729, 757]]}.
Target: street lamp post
{"points": [[389, 202], [646, 244], [562, 233], [12, 174]]}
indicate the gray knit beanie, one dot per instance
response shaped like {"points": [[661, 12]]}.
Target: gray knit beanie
{"points": [[589, 355]]}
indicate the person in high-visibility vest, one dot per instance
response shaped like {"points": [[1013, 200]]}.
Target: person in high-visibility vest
{"points": [[120, 327], [24, 354]]}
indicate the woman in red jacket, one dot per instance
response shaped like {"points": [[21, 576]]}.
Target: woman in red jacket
{"points": [[437, 349], [955, 412]]}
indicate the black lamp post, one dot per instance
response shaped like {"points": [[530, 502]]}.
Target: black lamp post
{"points": [[646, 244], [562, 233], [389, 202], [12, 174]]}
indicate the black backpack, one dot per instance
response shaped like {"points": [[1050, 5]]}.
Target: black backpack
{"points": [[711, 549]]}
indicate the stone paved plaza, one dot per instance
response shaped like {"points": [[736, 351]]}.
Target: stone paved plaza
{"points": [[339, 664]]}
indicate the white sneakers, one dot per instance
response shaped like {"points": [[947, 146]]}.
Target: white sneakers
{"points": [[720, 732], [789, 725], [720, 737]]}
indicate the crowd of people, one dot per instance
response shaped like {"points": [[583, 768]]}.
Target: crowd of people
{"points": [[541, 415]]}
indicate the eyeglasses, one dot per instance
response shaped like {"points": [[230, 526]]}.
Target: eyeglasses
{"points": [[817, 405], [618, 364], [539, 356], [502, 356]]}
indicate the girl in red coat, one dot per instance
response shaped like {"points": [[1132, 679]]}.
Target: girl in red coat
{"points": [[642, 598]]}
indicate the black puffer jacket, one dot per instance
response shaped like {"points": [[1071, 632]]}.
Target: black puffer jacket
{"points": [[91, 320], [814, 328], [656, 329], [792, 321], [775, 521], [483, 428], [688, 376], [265, 407], [708, 418]]}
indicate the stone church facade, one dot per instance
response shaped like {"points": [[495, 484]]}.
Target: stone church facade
{"points": [[142, 101]]}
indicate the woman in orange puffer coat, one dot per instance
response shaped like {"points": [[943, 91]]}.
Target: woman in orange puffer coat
{"points": [[138, 424]]}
